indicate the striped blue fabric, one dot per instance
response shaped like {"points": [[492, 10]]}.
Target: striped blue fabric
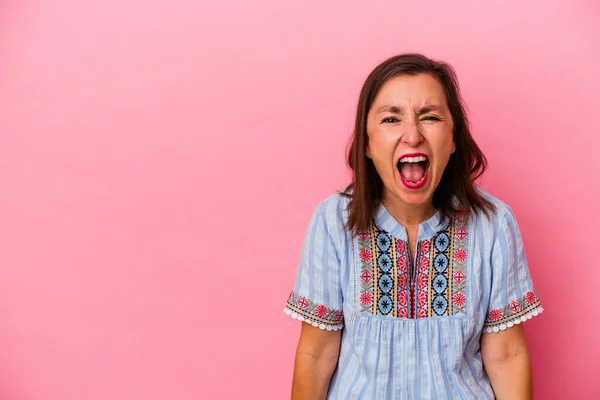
{"points": [[412, 323]]}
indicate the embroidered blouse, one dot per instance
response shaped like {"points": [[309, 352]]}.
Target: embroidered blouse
{"points": [[412, 323]]}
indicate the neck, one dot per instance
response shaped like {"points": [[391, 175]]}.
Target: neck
{"points": [[409, 215]]}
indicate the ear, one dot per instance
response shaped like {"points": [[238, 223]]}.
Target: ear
{"points": [[368, 152], [453, 147]]}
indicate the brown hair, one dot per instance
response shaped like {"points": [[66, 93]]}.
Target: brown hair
{"points": [[466, 164]]}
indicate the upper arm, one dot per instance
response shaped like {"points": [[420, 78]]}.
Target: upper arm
{"points": [[497, 347], [507, 363], [319, 343]]}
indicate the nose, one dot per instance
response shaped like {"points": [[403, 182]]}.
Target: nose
{"points": [[411, 135]]}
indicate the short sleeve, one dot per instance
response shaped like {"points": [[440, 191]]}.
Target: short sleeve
{"points": [[317, 295], [512, 297]]}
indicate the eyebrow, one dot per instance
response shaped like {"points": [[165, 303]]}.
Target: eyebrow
{"points": [[398, 110]]}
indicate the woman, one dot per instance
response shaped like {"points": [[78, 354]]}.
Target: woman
{"points": [[425, 272]]}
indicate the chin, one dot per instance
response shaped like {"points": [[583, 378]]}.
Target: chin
{"points": [[412, 197]]}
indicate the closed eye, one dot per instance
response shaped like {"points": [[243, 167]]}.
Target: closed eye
{"points": [[430, 118]]}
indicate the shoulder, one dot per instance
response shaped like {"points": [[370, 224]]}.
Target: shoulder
{"points": [[332, 213], [333, 207], [501, 207], [500, 216]]}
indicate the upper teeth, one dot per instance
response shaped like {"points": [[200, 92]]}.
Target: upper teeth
{"points": [[413, 159]]}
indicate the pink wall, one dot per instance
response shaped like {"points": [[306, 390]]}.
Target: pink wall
{"points": [[159, 162]]}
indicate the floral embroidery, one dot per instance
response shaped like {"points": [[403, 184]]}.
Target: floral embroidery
{"points": [[314, 312], [402, 265], [461, 233], [321, 310], [402, 272], [424, 264], [515, 310], [366, 299], [383, 249], [515, 306], [440, 283], [422, 299], [402, 298], [422, 282], [365, 255], [400, 247], [366, 276], [459, 276], [425, 246], [460, 255], [440, 305], [383, 272], [442, 241], [363, 235], [459, 299], [448, 277], [386, 283], [383, 241], [402, 282], [495, 315], [389, 285], [385, 305], [302, 303], [385, 263]]}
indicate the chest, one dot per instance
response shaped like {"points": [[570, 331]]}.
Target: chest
{"points": [[413, 278]]}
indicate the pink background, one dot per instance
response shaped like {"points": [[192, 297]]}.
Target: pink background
{"points": [[159, 162]]}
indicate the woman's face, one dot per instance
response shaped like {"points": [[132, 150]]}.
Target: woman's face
{"points": [[409, 128]]}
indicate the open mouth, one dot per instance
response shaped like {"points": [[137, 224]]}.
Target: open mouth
{"points": [[413, 169]]}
